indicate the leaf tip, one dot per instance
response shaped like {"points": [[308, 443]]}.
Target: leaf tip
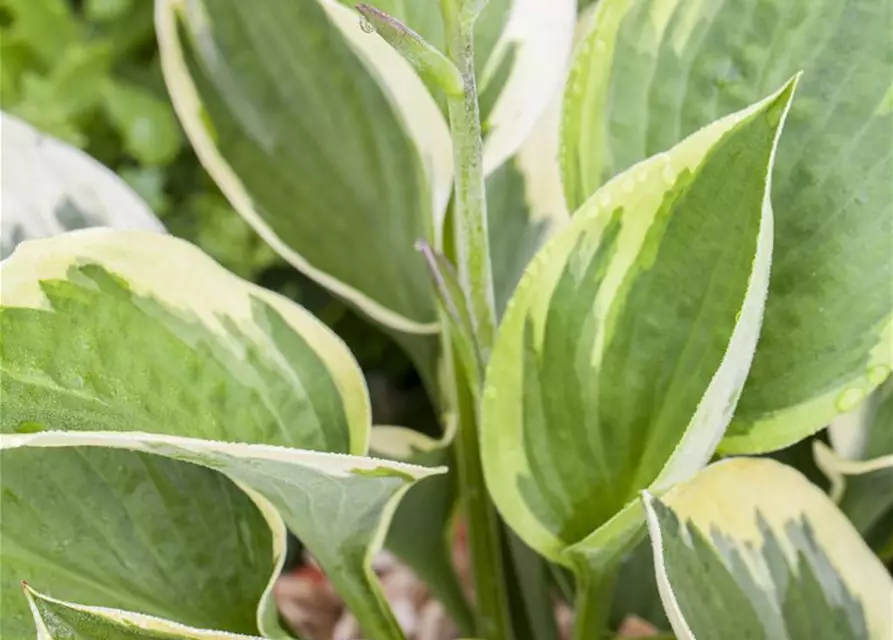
{"points": [[780, 103]]}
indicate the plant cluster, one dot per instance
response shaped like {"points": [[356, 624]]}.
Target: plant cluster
{"points": [[631, 250]]}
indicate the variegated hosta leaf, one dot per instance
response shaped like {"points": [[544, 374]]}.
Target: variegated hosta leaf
{"points": [[337, 505], [533, 52], [321, 136], [522, 48], [860, 468], [59, 620], [763, 553], [143, 335], [525, 205], [420, 532], [135, 532], [127, 330], [623, 351], [49, 187], [652, 71], [525, 200]]}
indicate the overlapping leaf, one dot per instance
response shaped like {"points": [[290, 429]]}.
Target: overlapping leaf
{"points": [[321, 136], [521, 52], [421, 531], [328, 144], [761, 552], [860, 468], [131, 531], [525, 205], [49, 187], [618, 364], [137, 341], [59, 620], [653, 71]]}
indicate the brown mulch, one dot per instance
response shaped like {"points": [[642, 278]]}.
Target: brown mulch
{"points": [[310, 606]]}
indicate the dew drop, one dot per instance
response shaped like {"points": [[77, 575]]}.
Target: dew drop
{"points": [[669, 174], [600, 45], [628, 185], [848, 400], [878, 373], [490, 392], [366, 26], [604, 199]]}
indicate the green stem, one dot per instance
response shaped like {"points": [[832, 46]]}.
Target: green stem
{"points": [[482, 525], [593, 604], [470, 214], [374, 614], [472, 259], [530, 593]]}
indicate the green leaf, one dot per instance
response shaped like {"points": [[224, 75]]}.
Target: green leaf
{"points": [[652, 72], [421, 531], [323, 139], [337, 505], [566, 450], [139, 341], [132, 531], [635, 592], [74, 191], [107, 10], [860, 467], [455, 307], [782, 563], [146, 123], [59, 620], [48, 27], [75, 83]]}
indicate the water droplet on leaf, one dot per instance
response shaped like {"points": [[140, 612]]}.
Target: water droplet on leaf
{"points": [[849, 399], [878, 373], [366, 26]]}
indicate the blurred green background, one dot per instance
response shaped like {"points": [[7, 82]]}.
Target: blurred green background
{"points": [[87, 71]]}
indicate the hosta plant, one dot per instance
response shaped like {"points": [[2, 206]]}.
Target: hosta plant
{"points": [[630, 252]]}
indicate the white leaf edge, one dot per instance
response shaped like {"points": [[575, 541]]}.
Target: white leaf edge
{"points": [[127, 618], [218, 293], [407, 93], [664, 588], [543, 34], [725, 497]]}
